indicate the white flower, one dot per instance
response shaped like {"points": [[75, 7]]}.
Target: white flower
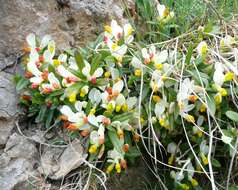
{"points": [[204, 148], [72, 63], [202, 48], [164, 13], [227, 41], [219, 76], [76, 118], [172, 148], [109, 97], [128, 37], [226, 139], [95, 96], [162, 10], [114, 156], [136, 63], [160, 108], [69, 78], [117, 51], [31, 41], [185, 90], [87, 72], [53, 84]]}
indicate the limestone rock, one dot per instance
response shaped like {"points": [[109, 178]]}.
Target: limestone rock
{"points": [[6, 127], [16, 162], [8, 98], [58, 162], [66, 21], [19, 147], [16, 172], [72, 157]]}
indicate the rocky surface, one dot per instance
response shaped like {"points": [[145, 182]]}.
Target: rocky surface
{"points": [[57, 162], [16, 162], [70, 23]]}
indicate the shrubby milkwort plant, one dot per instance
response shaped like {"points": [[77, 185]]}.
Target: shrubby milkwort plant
{"points": [[173, 100]]}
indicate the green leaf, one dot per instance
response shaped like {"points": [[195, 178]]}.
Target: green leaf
{"points": [[232, 115], [133, 152], [79, 60], [211, 104], [77, 73], [123, 116], [101, 82], [49, 118], [117, 143], [233, 187], [189, 54], [95, 63], [216, 163], [41, 115], [57, 93], [74, 87], [22, 83]]}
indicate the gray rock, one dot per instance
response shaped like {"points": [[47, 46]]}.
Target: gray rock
{"points": [[49, 161], [19, 147], [72, 157], [16, 162], [6, 127], [80, 21], [57, 162], [16, 172], [8, 98]]}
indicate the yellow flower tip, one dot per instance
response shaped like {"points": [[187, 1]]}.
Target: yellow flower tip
{"points": [[118, 168], [110, 107], [92, 111], [56, 62], [108, 29], [118, 108], [155, 87], [114, 46], [162, 122], [124, 107], [83, 91], [194, 182], [51, 48], [142, 121], [164, 77], [119, 60], [218, 98], [204, 159], [158, 66], [200, 134], [184, 186], [198, 168], [156, 98], [92, 149], [222, 43], [223, 92], [190, 118], [72, 97], [130, 30], [203, 108], [181, 105], [109, 168], [120, 133], [229, 76], [171, 159], [107, 74], [137, 72]]}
